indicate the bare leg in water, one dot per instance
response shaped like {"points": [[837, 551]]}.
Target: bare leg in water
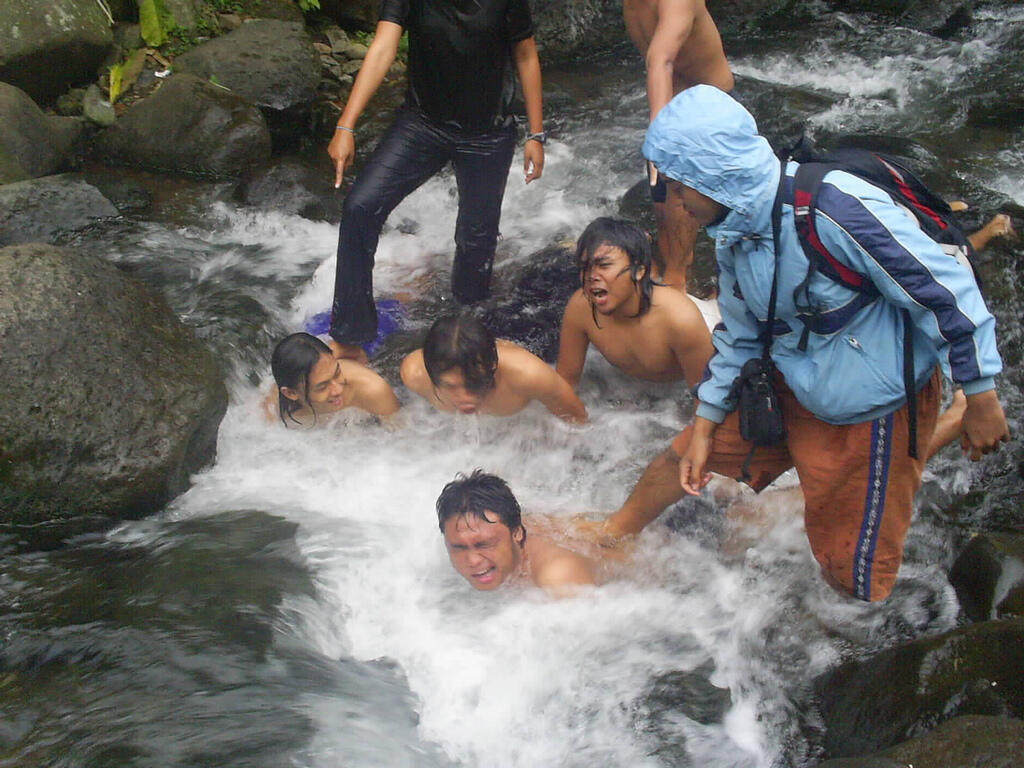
{"points": [[677, 234]]}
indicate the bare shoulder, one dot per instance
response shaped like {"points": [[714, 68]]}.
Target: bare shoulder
{"points": [[363, 375], [413, 372], [554, 567], [520, 367], [676, 310]]}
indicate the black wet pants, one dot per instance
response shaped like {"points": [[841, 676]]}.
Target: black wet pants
{"points": [[414, 149]]}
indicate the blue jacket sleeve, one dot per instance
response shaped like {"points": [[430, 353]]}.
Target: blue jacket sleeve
{"points": [[860, 225]]}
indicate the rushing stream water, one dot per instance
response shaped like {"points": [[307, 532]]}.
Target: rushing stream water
{"points": [[296, 606]]}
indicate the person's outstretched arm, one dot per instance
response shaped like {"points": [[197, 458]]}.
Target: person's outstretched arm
{"points": [[558, 397], [528, 67], [573, 340], [379, 58]]}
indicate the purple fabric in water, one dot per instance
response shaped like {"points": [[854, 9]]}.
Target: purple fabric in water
{"points": [[390, 318]]}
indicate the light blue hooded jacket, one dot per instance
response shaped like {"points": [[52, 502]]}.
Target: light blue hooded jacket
{"points": [[852, 369]]}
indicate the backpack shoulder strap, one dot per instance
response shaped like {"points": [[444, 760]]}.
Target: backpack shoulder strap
{"points": [[806, 186]]}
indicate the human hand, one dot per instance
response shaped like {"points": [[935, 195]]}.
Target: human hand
{"points": [[984, 425], [342, 150], [533, 160], [693, 475]]}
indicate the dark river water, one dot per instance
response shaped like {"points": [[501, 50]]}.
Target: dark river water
{"points": [[296, 607]]}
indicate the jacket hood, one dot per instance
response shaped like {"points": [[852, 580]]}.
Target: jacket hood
{"points": [[705, 139]]}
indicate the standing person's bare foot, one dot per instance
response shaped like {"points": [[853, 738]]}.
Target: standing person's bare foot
{"points": [[349, 351], [999, 225]]}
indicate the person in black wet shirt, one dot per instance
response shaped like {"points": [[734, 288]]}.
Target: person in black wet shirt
{"points": [[457, 109]]}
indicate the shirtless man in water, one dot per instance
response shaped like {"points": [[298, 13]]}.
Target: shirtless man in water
{"points": [[312, 381], [682, 47], [648, 331], [488, 545], [463, 368]]}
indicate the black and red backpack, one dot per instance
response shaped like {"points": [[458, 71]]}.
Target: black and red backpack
{"points": [[932, 213]]}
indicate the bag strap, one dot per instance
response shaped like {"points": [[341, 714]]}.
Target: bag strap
{"points": [[767, 336], [769, 329]]}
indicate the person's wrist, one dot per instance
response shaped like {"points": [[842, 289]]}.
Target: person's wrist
{"points": [[540, 137], [340, 127]]}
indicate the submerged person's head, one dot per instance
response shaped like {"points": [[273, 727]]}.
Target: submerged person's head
{"points": [[483, 529], [607, 251], [307, 375], [461, 358]]}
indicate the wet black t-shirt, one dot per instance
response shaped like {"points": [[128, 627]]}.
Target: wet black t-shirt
{"points": [[460, 56]]}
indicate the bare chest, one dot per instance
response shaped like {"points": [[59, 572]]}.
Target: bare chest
{"points": [[642, 354]]}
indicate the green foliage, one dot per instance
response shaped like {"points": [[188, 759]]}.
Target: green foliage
{"points": [[116, 76], [226, 6], [308, 5], [155, 21]]}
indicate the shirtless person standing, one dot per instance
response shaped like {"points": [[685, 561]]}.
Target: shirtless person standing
{"points": [[462, 368], [646, 330], [488, 545], [682, 47]]}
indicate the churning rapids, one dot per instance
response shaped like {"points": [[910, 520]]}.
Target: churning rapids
{"points": [[296, 606]]}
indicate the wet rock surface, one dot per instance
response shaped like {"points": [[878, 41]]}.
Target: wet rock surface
{"points": [[32, 143], [972, 741], [900, 693], [530, 311], [989, 576], [270, 63], [118, 404], [50, 208], [188, 126], [292, 185], [45, 50]]}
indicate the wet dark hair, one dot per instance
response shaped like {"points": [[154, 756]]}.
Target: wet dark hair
{"points": [[626, 235], [475, 496], [292, 360], [461, 342]]}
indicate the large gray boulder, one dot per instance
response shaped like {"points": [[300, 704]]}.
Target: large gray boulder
{"points": [[112, 402], [268, 62], [293, 185], [50, 208], [870, 705], [567, 29], [188, 126], [971, 741], [31, 143], [47, 47]]}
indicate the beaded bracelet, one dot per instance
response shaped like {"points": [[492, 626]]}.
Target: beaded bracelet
{"points": [[344, 128]]}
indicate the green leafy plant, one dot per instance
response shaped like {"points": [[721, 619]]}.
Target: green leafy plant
{"points": [[308, 5], [155, 21]]}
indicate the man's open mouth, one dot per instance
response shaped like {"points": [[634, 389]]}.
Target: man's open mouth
{"points": [[485, 576]]}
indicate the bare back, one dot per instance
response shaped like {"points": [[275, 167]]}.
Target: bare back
{"points": [[521, 377], [701, 59]]}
